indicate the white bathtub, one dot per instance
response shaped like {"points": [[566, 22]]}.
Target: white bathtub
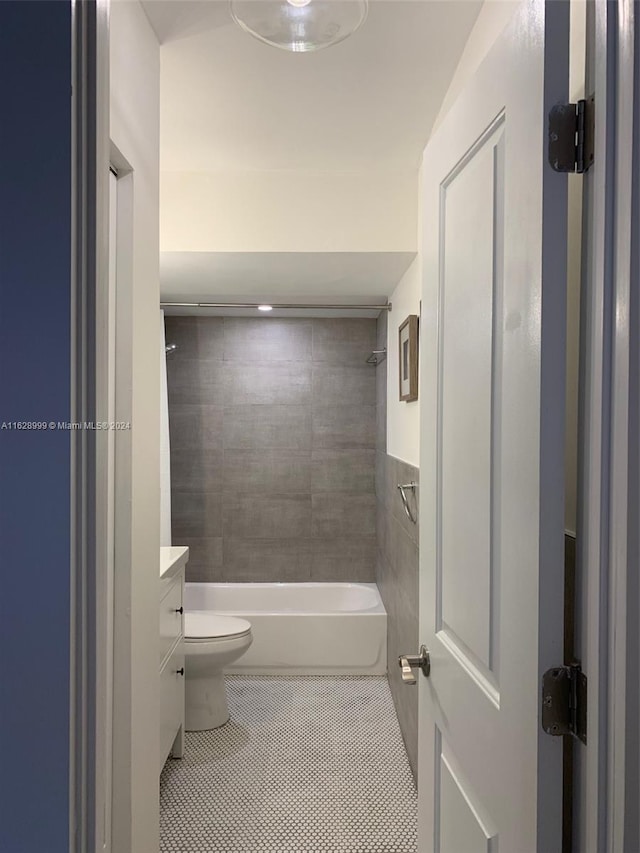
{"points": [[303, 628]]}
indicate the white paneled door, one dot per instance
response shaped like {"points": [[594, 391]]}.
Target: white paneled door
{"points": [[492, 445]]}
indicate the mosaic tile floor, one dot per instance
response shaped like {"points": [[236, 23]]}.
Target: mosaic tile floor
{"points": [[305, 765]]}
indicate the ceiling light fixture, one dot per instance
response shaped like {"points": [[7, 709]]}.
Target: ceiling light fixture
{"points": [[265, 307], [299, 26]]}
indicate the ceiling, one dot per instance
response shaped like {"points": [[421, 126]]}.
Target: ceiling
{"points": [[310, 277], [230, 102]]}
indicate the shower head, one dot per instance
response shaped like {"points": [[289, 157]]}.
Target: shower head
{"points": [[169, 348]]}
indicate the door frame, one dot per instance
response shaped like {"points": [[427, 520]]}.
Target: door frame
{"points": [[98, 764], [609, 440], [90, 264], [122, 670], [608, 437]]}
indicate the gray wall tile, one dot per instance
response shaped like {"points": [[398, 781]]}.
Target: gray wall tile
{"points": [[193, 380], [339, 558], [195, 514], [404, 554], [381, 477], [267, 516], [384, 577], [402, 472], [344, 427], [381, 329], [267, 340], [383, 531], [205, 559], [344, 515], [195, 337], [335, 385], [343, 471], [381, 385], [196, 470], [195, 427], [253, 471], [284, 384], [381, 428], [255, 451], [266, 560], [397, 574], [266, 426], [343, 341], [402, 638]]}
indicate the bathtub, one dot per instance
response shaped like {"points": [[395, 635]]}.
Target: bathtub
{"points": [[302, 628]]}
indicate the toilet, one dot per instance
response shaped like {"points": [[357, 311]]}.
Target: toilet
{"points": [[211, 643]]}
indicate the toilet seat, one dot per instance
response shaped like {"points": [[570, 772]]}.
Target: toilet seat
{"points": [[204, 627]]}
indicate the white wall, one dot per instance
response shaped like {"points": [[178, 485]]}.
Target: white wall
{"points": [[134, 81], [403, 419], [288, 212], [491, 21]]}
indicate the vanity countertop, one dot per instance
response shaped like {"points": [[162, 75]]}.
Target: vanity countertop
{"points": [[172, 559]]}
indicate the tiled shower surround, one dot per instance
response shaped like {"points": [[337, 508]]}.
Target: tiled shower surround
{"points": [[273, 446], [397, 562]]}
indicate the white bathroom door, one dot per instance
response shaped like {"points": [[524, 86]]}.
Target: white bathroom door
{"points": [[492, 448]]}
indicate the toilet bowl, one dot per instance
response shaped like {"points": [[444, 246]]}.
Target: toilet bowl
{"points": [[211, 643]]}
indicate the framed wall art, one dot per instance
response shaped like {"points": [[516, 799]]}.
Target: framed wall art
{"points": [[408, 358]]}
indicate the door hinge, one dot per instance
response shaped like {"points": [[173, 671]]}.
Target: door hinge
{"points": [[571, 129], [564, 701]]}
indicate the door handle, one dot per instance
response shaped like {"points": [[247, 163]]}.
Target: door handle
{"points": [[408, 663]]}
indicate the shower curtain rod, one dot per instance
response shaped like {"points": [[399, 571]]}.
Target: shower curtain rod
{"points": [[275, 305]]}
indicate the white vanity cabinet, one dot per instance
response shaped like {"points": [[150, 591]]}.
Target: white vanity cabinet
{"points": [[171, 652]]}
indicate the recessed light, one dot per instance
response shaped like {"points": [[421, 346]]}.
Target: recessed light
{"points": [[265, 307]]}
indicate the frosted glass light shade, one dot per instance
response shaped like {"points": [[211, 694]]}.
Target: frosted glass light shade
{"points": [[298, 25]]}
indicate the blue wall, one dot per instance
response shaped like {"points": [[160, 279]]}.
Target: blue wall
{"points": [[35, 230]]}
